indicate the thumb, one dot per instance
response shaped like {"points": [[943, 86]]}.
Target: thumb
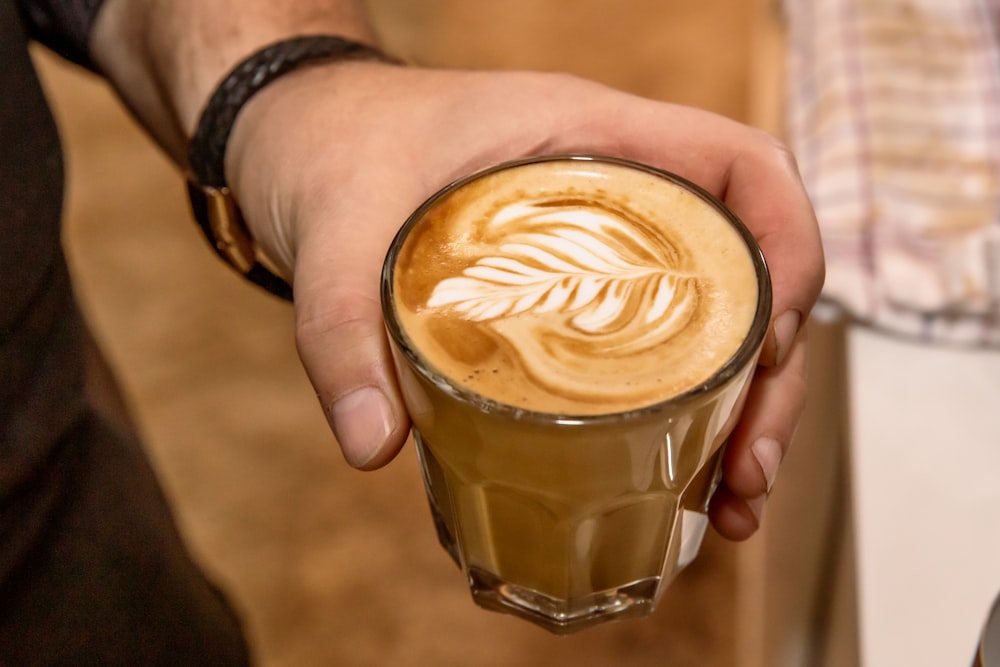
{"points": [[343, 347]]}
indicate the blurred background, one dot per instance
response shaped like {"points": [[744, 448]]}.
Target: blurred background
{"points": [[330, 566]]}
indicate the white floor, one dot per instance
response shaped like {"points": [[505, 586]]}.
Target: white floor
{"points": [[926, 460]]}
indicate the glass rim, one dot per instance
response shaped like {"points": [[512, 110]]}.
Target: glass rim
{"points": [[736, 363]]}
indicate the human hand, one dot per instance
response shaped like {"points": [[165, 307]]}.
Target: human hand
{"points": [[328, 162]]}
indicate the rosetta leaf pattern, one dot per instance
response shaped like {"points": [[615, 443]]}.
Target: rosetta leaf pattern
{"points": [[586, 272]]}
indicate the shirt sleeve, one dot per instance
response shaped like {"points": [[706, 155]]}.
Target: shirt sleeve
{"points": [[63, 25]]}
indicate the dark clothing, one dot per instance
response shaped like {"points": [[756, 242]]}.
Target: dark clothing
{"points": [[92, 568], [64, 26]]}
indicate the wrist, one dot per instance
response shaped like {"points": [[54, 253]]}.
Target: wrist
{"points": [[215, 209], [166, 58]]}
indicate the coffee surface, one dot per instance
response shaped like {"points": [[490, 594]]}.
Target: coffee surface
{"points": [[575, 287]]}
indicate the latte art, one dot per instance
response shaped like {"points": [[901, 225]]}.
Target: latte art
{"points": [[594, 265], [575, 289]]}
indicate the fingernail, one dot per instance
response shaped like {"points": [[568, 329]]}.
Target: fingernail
{"points": [[768, 453], [362, 422], [785, 329], [756, 506]]}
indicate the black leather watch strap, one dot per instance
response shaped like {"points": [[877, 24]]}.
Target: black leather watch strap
{"points": [[212, 205]]}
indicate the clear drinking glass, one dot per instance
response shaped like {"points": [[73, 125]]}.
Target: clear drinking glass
{"points": [[568, 520]]}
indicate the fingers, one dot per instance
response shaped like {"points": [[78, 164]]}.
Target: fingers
{"points": [[343, 347], [759, 443], [764, 189], [756, 176], [735, 518]]}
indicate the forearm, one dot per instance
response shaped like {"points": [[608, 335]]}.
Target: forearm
{"points": [[166, 58]]}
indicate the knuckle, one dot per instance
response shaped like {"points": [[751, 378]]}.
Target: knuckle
{"points": [[341, 319]]}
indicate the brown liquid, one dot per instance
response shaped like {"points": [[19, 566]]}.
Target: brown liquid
{"points": [[532, 287], [575, 288]]}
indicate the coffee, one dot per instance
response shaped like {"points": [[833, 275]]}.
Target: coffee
{"points": [[574, 338], [575, 288]]}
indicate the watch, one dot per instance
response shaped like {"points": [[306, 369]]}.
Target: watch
{"points": [[212, 203]]}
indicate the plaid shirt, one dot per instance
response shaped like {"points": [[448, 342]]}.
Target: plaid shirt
{"points": [[894, 116]]}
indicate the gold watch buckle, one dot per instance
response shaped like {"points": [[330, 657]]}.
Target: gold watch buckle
{"points": [[221, 221]]}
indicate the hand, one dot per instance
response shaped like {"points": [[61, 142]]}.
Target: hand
{"points": [[328, 162]]}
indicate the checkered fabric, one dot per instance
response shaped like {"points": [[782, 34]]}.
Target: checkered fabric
{"points": [[893, 111]]}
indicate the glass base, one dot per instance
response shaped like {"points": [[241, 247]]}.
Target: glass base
{"points": [[563, 617]]}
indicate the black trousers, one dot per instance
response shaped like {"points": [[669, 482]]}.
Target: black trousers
{"points": [[101, 576], [93, 570]]}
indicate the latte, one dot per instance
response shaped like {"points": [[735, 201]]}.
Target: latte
{"points": [[575, 287], [574, 339]]}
